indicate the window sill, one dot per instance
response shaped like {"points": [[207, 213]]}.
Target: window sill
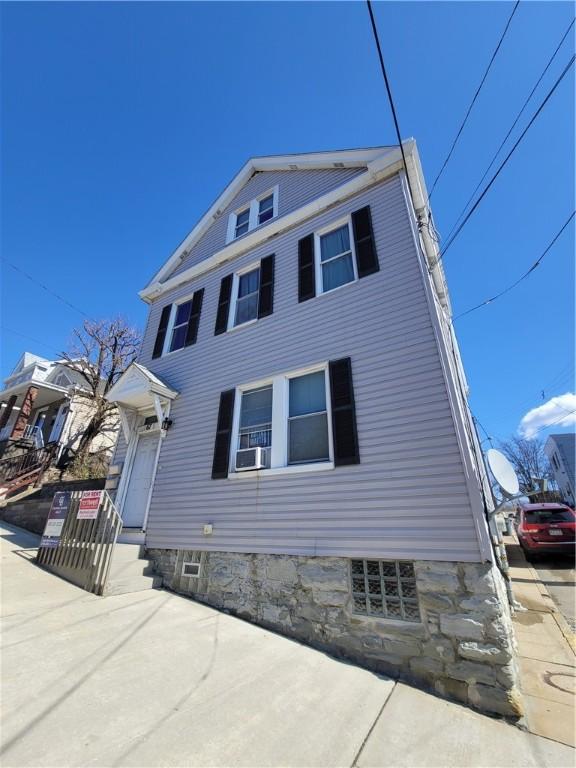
{"points": [[251, 230], [321, 466], [242, 325], [338, 288]]}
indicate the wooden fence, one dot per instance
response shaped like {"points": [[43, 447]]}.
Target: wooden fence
{"points": [[84, 551]]}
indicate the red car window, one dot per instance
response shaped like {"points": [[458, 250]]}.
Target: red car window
{"points": [[548, 516]]}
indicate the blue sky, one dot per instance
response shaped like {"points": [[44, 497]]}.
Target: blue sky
{"points": [[123, 121]]}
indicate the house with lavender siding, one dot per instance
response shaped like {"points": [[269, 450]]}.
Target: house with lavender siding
{"points": [[296, 444]]}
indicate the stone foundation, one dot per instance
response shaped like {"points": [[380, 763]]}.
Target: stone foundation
{"points": [[462, 648]]}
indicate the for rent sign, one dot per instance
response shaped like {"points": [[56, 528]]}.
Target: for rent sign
{"points": [[56, 518], [89, 503]]}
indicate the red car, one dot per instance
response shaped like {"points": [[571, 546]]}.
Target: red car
{"points": [[546, 529]]}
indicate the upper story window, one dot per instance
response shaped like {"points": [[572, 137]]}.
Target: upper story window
{"points": [[265, 209], [246, 296], [178, 325], [335, 260], [257, 212], [242, 223], [336, 255], [62, 380]]}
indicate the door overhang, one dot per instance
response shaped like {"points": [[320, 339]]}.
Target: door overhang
{"points": [[138, 390]]}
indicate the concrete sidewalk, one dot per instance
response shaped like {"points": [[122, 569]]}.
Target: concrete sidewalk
{"points": [[154, 679], [546, 650]]}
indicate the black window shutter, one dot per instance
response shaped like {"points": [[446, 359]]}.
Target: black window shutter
{"points": [[161, 333], [223, 436], [223, 305], [194, 320], [306, 273], [266, 295], [344, 430], [366, 257]]}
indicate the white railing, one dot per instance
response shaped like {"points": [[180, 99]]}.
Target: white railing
{"points": [[34, 433]]}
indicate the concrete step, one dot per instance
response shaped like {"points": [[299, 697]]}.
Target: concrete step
{"points": [[131, 536], [130, 571], [132, 584]]}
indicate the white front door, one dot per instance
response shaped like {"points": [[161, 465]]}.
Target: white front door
{"points": [[140, 481]]}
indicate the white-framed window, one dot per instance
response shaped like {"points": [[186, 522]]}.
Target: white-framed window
{"points": [[255, 422], [180, 314], [245, 296], [289, 416], [179, 325], [265, 209], [242, 223], [308, 418], [334, 256], [259, 211]]}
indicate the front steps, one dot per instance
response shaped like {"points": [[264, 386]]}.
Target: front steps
{"points": [[130, 571]]}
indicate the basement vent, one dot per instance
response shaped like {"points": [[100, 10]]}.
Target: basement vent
{"points": [[191, 569], [385, 588]]}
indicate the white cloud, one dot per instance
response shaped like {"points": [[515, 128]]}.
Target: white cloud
{"points": [[559, 410]]}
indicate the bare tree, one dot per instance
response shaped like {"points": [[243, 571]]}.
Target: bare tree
{"points": [[529, 461], [100, 353]]}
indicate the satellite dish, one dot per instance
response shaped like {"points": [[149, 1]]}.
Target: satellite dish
{"points": [[503, 472]]}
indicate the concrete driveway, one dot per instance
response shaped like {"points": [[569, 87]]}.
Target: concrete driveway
{"points": [[154, 679]]}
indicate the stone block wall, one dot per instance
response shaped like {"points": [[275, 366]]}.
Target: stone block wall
{"points": [[463, 647]]}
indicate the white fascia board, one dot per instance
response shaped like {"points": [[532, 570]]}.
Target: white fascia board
{"points": [[380, 168], [205, 222], [421, 203], [312, 161], [351, 158]]}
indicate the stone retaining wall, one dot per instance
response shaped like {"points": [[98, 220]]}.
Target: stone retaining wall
{"points": [[463, 647]]}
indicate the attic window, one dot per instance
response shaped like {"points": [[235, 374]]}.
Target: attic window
{"points": [[262, 209], [62, 380], [242, 223]]}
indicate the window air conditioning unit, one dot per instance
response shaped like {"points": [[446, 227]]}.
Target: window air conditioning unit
{"points": [[250, 458]]}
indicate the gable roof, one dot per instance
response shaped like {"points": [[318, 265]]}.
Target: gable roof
{"points": [[379, 162], [27, 359], [348, 158], [136, 387]]}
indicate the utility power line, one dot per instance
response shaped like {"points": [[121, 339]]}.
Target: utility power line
{"points": [[523, 277], [31, 338], [45, 288], [467, 115], [505, 161], [505, 139], [390, 99], [552, 423]]}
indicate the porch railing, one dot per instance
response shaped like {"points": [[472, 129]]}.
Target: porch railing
{"points": [[25, 463], [84, 551], [35, 434]]}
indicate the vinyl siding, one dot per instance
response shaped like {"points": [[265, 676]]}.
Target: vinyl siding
{"points": [[296, 188], [408, 498]]}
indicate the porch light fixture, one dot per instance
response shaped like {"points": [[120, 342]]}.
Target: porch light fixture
{"points": [[166, 424]]}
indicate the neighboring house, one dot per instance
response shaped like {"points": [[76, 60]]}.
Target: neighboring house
{"points": [[43, 413], [561, 452], [296, 444]]}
